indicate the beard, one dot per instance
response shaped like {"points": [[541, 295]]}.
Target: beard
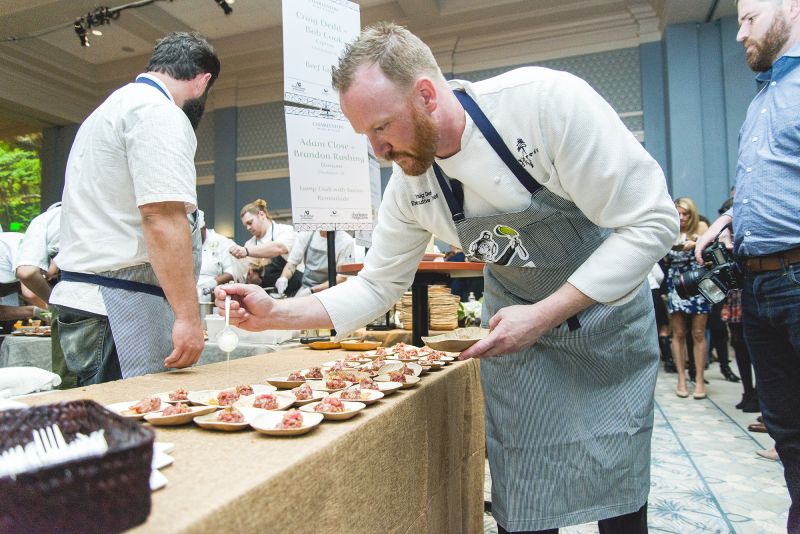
{"points": [[422, 153], [194, 108], [765, 52]]}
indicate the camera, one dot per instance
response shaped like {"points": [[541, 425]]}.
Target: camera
{"points": [[714, 282]]}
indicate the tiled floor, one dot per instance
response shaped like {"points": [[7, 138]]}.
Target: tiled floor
{"points": [[705, 475]]}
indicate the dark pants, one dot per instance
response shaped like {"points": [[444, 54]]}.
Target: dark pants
{"points": [[771, 319], [632, 523], [88, 346], [273, 270]]}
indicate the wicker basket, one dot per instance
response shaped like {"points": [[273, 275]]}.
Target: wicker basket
{"points": [[106, 494]]}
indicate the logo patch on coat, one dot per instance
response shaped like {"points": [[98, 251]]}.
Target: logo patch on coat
{"points": [[526, 158]]}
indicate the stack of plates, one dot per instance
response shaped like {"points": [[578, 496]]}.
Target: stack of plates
{"points": [[405, 310], [442, 309]]}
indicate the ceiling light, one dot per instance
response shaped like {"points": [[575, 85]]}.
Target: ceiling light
{"points": [[226, 8], [80, 30]]}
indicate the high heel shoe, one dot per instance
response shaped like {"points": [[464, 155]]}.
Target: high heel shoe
{"points": [[729, 375], [682, 393]]}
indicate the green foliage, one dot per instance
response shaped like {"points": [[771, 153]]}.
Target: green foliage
{"points": [[20, 182]]}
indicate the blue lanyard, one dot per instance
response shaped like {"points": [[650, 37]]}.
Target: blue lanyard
{"points": [[151, 83], [455, 197]]}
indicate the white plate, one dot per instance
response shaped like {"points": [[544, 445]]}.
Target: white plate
{"points": [[371, 396], [284, 399], [410, 382], [266, 422], [373, 356], [316, 395], [157, 419], [210, 422], [281, 382], [404, 359], [387, 388], [259, 389], [350, 409], [350, 365], [206, 397], [123, 409], [306, 371], [319, 385], [165, 397]]}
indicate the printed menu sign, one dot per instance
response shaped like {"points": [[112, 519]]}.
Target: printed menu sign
{"points": [[329, 171], [314, 35]]}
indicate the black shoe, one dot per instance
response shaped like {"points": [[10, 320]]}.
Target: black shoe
{"points": [[745, 398], [729, 376], [751, 405], [669, 367]]}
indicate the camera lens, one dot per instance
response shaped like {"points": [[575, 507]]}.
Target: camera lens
{"points": [[686, 283]]}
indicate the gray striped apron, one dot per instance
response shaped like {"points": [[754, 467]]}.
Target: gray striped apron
{"points": [[569, 419], [141, 323]]}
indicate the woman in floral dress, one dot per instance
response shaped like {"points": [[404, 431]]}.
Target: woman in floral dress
{"points": [[687, 314]]}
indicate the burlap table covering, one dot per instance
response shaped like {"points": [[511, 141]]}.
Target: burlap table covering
{"points": [[413, 462]]}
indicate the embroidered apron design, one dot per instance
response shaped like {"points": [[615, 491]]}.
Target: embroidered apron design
{"points": [[569, 419], [484, 249]]}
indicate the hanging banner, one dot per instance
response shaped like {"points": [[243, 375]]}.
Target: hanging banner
{"points": [[314, 35], [329, 172]]}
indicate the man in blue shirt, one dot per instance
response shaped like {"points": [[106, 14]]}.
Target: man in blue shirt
{"points": [[766, 224]]}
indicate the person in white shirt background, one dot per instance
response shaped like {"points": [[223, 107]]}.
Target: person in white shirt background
{"points": [[217, 266], [129, 259], [36, 269], [535, 162], [17, 302], [268, 249], [311, 250]]}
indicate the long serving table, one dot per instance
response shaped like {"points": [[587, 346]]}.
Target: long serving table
{"points": [[428, 272], [412, 462]]}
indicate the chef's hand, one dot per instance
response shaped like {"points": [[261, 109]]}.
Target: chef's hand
{"points": [[513, 328], [250, 305], [238, 252], [281, 284], [187, 343], [207, 287], [517, 327]]}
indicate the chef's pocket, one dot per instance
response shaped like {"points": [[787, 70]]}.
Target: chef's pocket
{"points": [[553, 241], [82, 339]]}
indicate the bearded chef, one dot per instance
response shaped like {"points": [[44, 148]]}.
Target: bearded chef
{"points": [[539, 164]]}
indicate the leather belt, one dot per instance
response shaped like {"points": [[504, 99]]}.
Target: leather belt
{"points": [[772, 262]]}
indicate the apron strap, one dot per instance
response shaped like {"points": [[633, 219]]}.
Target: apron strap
{"points": [[490, 133], [151, 83], [453, 203], [453, 191], [106, 281]]}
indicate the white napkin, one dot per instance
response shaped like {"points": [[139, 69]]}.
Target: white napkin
{"points": [[23, 380], [6, 404]]}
